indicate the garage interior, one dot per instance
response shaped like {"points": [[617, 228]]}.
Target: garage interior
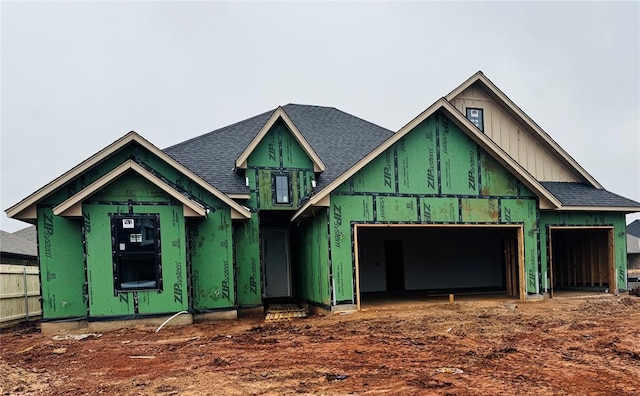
{"points": [[581, 258], [397, 262]]}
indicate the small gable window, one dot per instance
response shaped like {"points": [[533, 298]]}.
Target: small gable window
{"points": [[136, 252], [281, 182], [476, 116]]}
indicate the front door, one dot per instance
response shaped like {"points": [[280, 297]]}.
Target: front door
{"points": [[277, 266]]}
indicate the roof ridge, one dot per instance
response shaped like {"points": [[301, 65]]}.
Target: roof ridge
{"points": [[218, 130], [343, 112]]}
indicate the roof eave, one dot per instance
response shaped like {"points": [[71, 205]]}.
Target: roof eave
{"points": [[192, 208], [584, 208], [24, 209]]}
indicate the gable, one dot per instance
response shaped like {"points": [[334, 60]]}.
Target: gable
{"points": [[128, 182], [130, 147], [442, 106], [280, 116], [279, 149], [517, 134], [436, 158], [513, 136]]}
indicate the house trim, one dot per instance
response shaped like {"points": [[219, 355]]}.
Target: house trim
{"points": [[25, 210], [73, 205], [547, 200], [539, 132]]}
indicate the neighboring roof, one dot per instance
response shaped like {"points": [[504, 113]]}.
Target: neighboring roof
{"points": [[633, 244], [634, 228], [28, 233], [581, 195], [25, 208], [467, 127], [339, 139], [13, 244], [543, 137]]}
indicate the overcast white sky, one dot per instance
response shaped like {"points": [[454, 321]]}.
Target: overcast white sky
{"points": [[77, 76]]}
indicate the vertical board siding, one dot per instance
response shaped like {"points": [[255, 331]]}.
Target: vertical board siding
{"points": [[514, 137], [14, 290]]}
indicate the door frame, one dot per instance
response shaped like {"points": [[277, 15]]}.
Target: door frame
{"points": [[520, 238], [263, 260], [613, 275]]}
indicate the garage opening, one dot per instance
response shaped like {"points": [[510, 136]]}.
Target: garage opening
{"points": [[421, 262], [581, 259]]}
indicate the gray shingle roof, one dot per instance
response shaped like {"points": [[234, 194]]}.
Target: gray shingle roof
{"points": [[339, 139], [12, 244], [578, 194], [28, 233], [633, 244], [634, 228]]}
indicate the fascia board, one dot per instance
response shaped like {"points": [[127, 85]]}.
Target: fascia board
{"points": [[517, 111], [103, 154], [624, 209], [279, 113], [70, 203]]}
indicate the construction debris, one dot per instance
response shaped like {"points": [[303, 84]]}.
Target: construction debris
{"points": [[279, 312]]}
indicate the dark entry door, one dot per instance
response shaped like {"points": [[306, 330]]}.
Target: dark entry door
{"points": [[277, 268], [394, 265]]}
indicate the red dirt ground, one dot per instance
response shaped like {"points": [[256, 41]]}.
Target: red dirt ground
{"points": [[551, 347]]}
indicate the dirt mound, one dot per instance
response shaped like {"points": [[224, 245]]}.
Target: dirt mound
{"points": [[569, 346]]}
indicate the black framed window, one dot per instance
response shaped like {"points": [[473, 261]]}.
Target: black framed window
{"points": [[281, 183], [135, 242], [476, 116]]}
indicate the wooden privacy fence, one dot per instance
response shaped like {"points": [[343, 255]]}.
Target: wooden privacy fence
{"points": [[19, 293]]}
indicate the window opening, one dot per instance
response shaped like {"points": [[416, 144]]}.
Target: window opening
{"points": [[476, 116], [282, 189], [136, 252]]}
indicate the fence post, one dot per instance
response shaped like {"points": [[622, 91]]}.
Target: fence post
{"points": [[26, 292]]}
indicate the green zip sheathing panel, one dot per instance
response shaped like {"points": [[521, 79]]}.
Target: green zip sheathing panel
{"points": [[246, 237], [212, 261], [279, 149], [439, 210], [278, 153], [103, 300], [344, 210], [525, 212], [62, 273], [582, 219], [312, 271], [62, 255], [434, 175], [147, 160]]}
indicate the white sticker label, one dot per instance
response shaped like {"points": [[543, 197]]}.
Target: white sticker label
{"points": [[135, 238], [127, 223], [122, 246]]}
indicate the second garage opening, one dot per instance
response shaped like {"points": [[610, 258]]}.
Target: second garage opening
{"points": [[430, 260]]}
